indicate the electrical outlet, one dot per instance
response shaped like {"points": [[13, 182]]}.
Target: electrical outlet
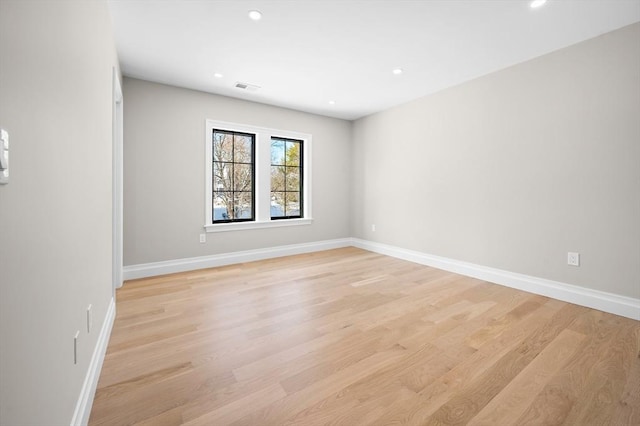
{"points": [[89, 319], [373, 228], [75, 347], [573, 259], [203, 238]]}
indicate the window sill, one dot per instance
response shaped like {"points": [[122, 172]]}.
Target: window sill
{"points": [[245, 226]]}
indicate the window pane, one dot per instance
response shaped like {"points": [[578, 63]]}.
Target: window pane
{"points": [[222, 176], [242, 149], [222, 146], [292, 157], [277, 204], [293, 179], [242, 174], [243, 207], [292, 204], [277, 178], [277, 151], [222, 201]]}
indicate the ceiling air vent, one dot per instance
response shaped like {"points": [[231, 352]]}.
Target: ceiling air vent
{"points": [[246, 86]]}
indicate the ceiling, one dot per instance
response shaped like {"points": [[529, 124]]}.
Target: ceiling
{"points": [[304, 54]]}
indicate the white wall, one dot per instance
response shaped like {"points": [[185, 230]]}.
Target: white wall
{"points": [[515, 169], [56, 62], [164, 173]]}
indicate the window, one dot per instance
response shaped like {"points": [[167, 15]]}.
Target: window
{"points": [[286, 178], [233, 176], [256, 177]]}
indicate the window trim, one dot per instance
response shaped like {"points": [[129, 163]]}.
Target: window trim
{"points": [[262, 176]]}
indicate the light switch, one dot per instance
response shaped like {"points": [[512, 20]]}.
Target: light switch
{"points": [[4, 156]]}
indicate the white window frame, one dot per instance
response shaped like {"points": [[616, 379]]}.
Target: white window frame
{"points": [[262, 176]]}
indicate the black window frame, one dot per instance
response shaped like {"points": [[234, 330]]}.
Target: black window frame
{"points": [[300, 168], [233, 163]]}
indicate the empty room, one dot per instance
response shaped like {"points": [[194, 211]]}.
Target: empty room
{"points": [[319, 212]]}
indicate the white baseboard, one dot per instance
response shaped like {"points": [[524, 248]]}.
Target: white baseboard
{"points": [[607, 302], [85, 400], [181, 265]]}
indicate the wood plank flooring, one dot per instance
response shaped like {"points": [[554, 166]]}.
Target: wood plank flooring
{"points": [[349, 337]]}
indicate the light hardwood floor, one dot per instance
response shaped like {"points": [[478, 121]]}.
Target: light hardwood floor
{"points": [[349, 337]]}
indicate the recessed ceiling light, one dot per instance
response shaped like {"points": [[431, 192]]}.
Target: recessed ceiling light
{"points": [[218, 75], [537, 3], [332, 102], [255, 15], [397, 71]]}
